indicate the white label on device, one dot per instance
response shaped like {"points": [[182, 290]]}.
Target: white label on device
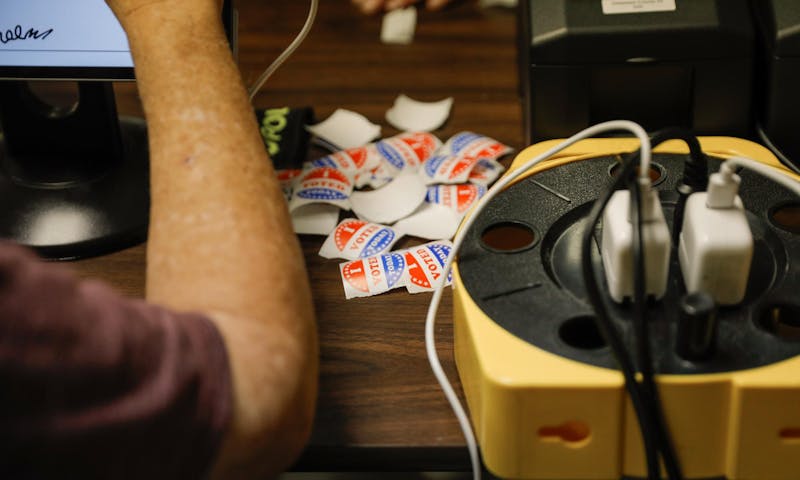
{"points": [[611, 7]]}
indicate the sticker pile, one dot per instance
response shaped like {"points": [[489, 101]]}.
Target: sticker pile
{"points": [[411, 184]]}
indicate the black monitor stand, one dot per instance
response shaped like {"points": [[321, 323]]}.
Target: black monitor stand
{"points": [[73, 182]]}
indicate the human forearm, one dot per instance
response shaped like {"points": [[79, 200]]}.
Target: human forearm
{"points": [[217, 210], [220, 238]]}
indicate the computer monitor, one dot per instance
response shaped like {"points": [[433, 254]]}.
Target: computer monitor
{"points": [[74, 180]]}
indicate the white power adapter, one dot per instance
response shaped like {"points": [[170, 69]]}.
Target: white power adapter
{"points": [[716, 245], [617, 244]]}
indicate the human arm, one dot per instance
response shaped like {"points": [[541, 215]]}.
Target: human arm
{"points": [[98, 386], [373, 6], [220, 239]]}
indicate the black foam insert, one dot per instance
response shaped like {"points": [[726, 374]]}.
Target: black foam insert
{"points": [[537, 293]]}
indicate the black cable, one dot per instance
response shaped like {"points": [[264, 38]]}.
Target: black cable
{"points": [[640, 327], [695, 171], [642, 335], [606, 327], [776, 151], [645, 399], [695, 176], [695, 179]]}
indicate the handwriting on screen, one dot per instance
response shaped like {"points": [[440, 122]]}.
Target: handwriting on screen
{"points": [[57, 33], [19, 33]]}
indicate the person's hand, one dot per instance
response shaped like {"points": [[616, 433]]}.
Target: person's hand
{"points": [[374, 6]]}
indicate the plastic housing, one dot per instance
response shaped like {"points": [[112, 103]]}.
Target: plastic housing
{"points": [[778, 98], [690, 67], [716, 249], [617, 247], [540, 415]]}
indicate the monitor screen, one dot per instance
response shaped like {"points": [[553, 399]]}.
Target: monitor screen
{"points": [[73, 181], [69, 40], [77, 39]]}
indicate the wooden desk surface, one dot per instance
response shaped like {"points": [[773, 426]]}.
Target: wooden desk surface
{"points": [[380, 407]]}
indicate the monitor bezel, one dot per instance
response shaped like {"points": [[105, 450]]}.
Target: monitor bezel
{"points": [[73, 73], [68, 73]]}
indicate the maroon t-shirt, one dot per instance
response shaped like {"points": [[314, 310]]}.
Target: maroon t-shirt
{"points": [[94, 385]]}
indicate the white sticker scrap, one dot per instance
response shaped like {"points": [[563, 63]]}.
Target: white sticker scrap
{"points": [[415, 116], [315, 219], [354, 238], [431, 222], [398, 26], [346, 129], [441, 214], [390, 203]]}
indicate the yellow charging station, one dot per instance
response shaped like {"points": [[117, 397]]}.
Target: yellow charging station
{"points": [[538, 414]]}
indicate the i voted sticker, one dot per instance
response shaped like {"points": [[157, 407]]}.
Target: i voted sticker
{"points": [[354, 238], [458, 198], [485, 172], [323, 185], [406, 150], [353, 161], [458, 157], [373, 275], [287, 179], [425, 270]]}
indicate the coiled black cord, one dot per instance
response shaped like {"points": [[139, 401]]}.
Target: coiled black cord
{"points": [[603, 322], [641, 329], [644, 398]]}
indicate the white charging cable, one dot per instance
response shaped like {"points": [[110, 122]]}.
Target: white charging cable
{"points": [[764, 170], [430, 343], [312, 14], [716, 243]]}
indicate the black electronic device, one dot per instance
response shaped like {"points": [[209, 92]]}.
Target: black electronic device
{"points": [[661, 63], [73, 180], [778, 96]]}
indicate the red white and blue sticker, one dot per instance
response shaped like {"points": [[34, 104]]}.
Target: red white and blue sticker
{"points": [[458, 198], [287, 179], [406, 150], [373, 275], [485, 172], [353, 161], [455, 160], [425, 270], [323, 185], [354, 238]]}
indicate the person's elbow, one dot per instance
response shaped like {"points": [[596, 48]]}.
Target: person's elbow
{"points": [[274, 373]]}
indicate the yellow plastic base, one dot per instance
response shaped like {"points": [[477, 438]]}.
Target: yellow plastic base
{"points": [[541, 416]]}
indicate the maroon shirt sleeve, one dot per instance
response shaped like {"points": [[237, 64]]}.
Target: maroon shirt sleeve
{"points": [[94, 385]]}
